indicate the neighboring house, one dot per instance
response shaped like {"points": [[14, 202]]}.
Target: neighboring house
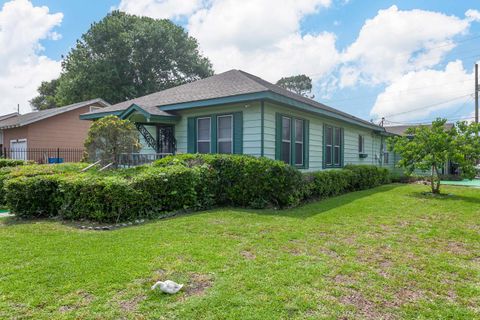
{"points": [[5, 117], [449, 169], [236, 112], [401, 130], [47, 129]]}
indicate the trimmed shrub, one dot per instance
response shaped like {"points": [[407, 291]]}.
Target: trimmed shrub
{"points": [[367, 176], [98, 198], [247, 181], [186, 182], [324, 184], [149, 193], [35, 196], [13, 163]]}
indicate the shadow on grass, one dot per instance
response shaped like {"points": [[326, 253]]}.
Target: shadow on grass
{"points": [[445, 197], [318, 206], [303, 211]]}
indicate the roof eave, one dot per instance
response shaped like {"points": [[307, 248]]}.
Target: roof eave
{"points": [[268, 95], [98, 115]]}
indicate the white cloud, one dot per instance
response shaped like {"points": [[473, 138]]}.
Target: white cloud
{"points": [[418, 94], [264, 37], [472, 15], [396, 42], [23, 67], [160, 9], [260, 36]]}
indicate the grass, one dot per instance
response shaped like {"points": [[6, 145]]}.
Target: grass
{"points": [[391, 252]]}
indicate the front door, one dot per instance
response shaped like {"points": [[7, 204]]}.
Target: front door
{"points": [[166, 139]]}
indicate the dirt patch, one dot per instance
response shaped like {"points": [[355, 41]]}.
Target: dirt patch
{"points": [[83, 299], [457, 248], [343, 279], [198, 283], [248, 255], [364, 307], [131, 304], [329, 252]]}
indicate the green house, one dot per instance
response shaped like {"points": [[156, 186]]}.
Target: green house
{"points": [[236, 112]]}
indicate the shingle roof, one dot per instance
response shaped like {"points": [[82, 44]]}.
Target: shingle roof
{"points": [[226, 84], [28, 118], [9, 115], [400, 130]]}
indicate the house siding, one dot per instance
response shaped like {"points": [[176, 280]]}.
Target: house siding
{"points": [[252, 133], [251, 125], [373, 141], [65, 130]]}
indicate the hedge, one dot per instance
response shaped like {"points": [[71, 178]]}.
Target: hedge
{"points": [[184, 182], [32, 170], [12, 163], [247, 181]]}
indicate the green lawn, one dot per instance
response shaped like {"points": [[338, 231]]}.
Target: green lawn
{"points": [[390, 252]]}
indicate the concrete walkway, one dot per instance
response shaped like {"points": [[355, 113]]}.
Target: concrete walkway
{"points": [[475, 183]]}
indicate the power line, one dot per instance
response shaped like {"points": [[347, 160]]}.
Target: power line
{"points": [[423, 107], [400, 91]]}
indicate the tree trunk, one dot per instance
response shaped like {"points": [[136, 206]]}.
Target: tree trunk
{"points": [[437, 187], [432, 179], [435, 182]]}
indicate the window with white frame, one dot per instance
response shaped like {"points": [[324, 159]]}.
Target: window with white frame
{"points": [[361, 144], [286, 139], [299, 142], [385, 153], [333, 147], [204, 135], [225, 134]]}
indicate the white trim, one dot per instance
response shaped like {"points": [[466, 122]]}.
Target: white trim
{"points": [[289, 141], [362, 137], [299, 142], [210, 130], [231, 133], [17, 153]]}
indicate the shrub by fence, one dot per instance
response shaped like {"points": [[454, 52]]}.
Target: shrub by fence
{"points": [[188, 182]]}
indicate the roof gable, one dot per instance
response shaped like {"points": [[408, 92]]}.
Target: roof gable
{"points": [[233, 85], [28, 118]]}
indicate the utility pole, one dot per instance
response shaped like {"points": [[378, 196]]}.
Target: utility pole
{"points": [[18, 108], [476, 92]]}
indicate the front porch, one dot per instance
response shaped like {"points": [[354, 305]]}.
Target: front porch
{"points": [[157, 135]]}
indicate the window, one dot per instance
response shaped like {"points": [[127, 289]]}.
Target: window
{"points": [[94, 108], [203, 135], [333, 147], [385, 153], [361, 144], [215, 133], [225, 134], [299, 151], [286, 139], [292, 140]]}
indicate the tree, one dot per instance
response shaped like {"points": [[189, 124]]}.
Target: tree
{"points": [[429, 148], [46, 97], [300, 84], [109, 137], [125, 56]]}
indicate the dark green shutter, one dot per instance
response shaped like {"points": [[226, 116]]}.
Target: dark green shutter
{"points": [[213, 135], [293, 131], [342, 147], [278, 136], [323, 148], [191, 135], [238, 133], [306, 140]]}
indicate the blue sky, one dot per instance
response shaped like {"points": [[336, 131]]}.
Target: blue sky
{"points": [[332, 41]]}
